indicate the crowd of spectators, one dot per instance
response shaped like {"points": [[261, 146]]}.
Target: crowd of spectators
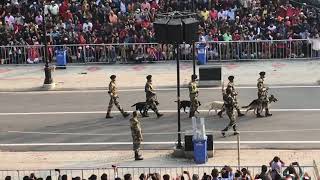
{"points": [[277, 170], [130, 21]]}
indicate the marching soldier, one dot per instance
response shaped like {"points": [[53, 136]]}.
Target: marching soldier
{"points": [[262, 96], [151, 97], [193, 94], [234, 93], [113, 98], [230, 106], [136, 135]]}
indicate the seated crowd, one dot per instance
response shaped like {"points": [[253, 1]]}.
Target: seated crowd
{"points": [[130, 21], [276, 171]]}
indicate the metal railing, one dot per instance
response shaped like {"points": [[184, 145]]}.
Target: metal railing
{"points": [[134, 171], [152, 52]]}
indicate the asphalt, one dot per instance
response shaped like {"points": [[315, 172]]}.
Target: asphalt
{"points": [[78, 117]]}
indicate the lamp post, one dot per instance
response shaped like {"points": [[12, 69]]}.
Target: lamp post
{"points": [[47, 70]]}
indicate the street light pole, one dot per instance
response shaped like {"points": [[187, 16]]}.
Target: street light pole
{"points": [[47, 71], [179, 146]]}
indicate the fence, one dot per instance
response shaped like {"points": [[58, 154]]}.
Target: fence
{"points": [[216, 51], [134, 171]]}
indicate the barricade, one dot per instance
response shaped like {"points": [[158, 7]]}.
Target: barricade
{"points": [[134, 171], [153, 52]]}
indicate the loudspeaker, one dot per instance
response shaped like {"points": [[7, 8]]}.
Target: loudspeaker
{"points": [[190, 28], [209, 76], [175, 31], [188, 146], [160, 29]]}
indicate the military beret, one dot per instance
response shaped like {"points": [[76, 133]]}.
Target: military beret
{"points": [[231, 78], [113, 76], [194, 76], [149, 76], [262, 73]]}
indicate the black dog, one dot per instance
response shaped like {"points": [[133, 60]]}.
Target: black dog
{"points": [[184, 104], [140, 106]]}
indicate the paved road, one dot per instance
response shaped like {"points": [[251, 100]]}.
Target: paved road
{"points": [[78, 117]]}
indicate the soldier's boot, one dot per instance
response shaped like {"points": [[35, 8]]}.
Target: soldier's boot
{"points": [[220, 114], [137, 156], [239, 113], [235, 133], [259, 115], [125, 114], [223, 133], [268, 113], [108, 116], [159, 114]]}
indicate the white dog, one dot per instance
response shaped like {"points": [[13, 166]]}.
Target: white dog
{"points": [[216, 105]]}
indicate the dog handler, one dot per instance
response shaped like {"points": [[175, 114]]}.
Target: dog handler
{"points": [[193, 94], [262, 96], [151, 101]]}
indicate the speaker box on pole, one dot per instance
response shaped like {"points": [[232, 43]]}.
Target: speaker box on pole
{"points": [[175, 31], [190, 29], [209, 75], [160, 28]]}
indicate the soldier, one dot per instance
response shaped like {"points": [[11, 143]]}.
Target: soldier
{"points": [[193, 94], [151, 97], [234, 93], [136, 135], [113, 98], [262, 96], [230, 106]]}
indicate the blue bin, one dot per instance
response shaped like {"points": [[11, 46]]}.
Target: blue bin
{"points": [[61, 58], [202, 54], [200, 151]]}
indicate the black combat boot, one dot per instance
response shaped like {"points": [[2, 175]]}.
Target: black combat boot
{"points": [[125, 114], [235, 133], [239, 113], [108, 116], [159, 115], [259, 115], [191, 114], [137, 156], [220, 114], [268, 113], [223, 133]]}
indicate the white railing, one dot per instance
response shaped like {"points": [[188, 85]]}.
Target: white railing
{"points": [[145, 52]]}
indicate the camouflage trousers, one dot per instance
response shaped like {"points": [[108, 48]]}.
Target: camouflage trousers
{"points": [[232, 119], [194, 103], [151, 104], [114, 100], [236, 106], [136, 146]]}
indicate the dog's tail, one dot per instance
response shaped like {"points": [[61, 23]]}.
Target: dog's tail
{"points": [[248, 105], [134, 104]]}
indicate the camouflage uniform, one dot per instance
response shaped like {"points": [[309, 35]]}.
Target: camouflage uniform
{"points": [[193, 94], [114, 100], [151, 99], [234, 94], [230, 107], [262, 96], [136, 136]]}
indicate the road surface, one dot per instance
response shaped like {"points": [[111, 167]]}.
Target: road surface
{"points": [[74, 120]]}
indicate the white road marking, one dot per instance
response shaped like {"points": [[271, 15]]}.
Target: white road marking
{"points": [[103, 112], [160, 89], [154, 133], [152, 143]]}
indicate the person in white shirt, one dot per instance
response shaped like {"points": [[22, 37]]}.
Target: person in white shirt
{"points": [[9, 19], [54, 8], [87, 26]]}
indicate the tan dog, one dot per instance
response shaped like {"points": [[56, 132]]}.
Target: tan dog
{"points": [[216, 105]]}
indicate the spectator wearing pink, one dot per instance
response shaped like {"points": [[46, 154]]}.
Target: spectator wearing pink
{"points": [[276, 164], [9, 19], [213, 15], [39, 19], [113, 18], [145, 5]]}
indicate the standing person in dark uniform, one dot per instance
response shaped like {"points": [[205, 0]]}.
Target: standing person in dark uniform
{"points": [[262, 96], [193, 94], [230, 105], [114, 98], [151, 97], [136, 135]]}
